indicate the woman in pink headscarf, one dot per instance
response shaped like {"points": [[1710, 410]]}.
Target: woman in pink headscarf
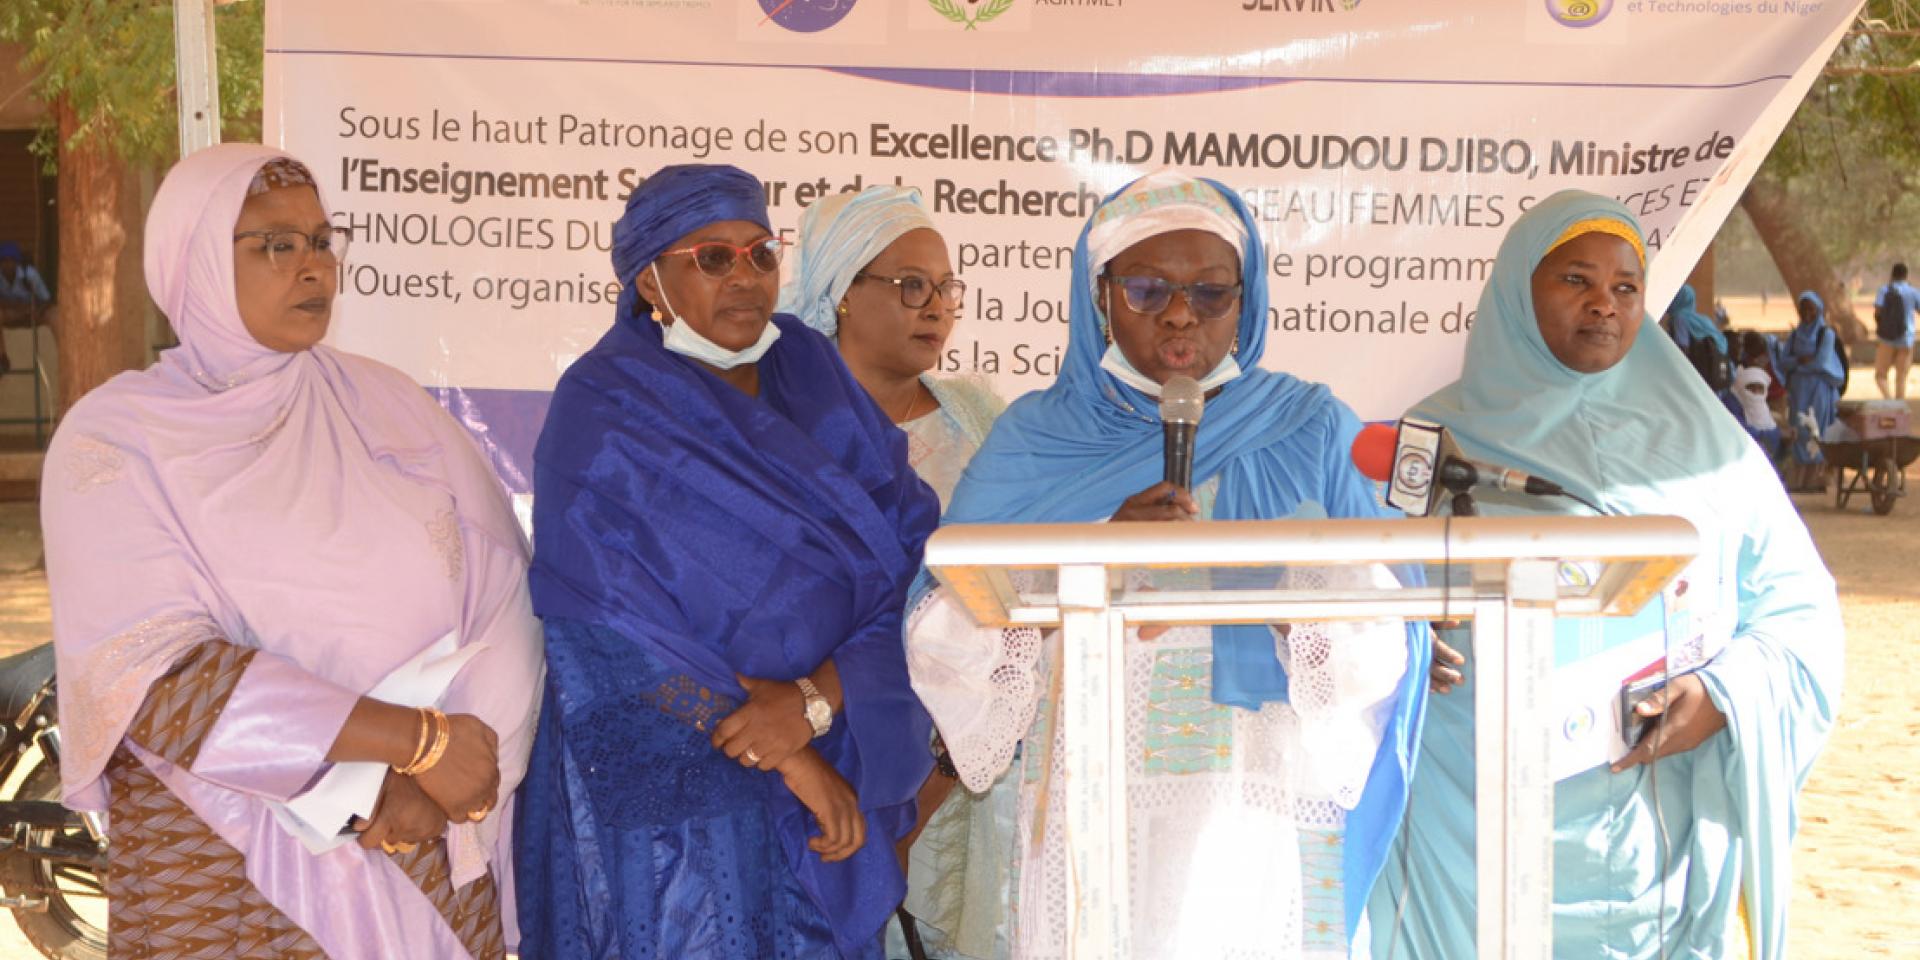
{"points": [[297, 660]]}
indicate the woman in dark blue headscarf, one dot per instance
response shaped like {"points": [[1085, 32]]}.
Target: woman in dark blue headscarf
{"points": [[1811, 364], [724, 529]]}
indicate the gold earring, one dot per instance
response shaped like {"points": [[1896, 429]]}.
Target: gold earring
{"points": [[841, 310], [1235, 349]]}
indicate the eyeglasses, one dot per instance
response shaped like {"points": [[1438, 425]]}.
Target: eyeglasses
{"points": [[1151, 296], [288, 250], [717, 259], [917, 291]]}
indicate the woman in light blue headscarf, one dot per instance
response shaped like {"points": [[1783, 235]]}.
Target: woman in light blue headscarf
{"points": [[1263, 794], [1685, 855], [874, 276], [1811, 364], [1689, 324]]}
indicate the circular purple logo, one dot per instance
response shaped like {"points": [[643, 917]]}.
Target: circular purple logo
{"points": [[1579, 13], [806, 16]]}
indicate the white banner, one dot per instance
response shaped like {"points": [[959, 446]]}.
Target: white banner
{"points": [[480, 150]]}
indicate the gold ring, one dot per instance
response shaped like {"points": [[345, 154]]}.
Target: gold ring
{"points": [[388, 847], [753, 759], [480, 814], [405, 847]]}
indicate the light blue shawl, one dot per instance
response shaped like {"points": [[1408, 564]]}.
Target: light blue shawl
{"points": [[1811, 344], [1645, 437], [1280, 446], [1690, 324]]}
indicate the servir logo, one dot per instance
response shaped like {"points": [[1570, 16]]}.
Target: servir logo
{"points": [[1579, 13], [1299, 6], [806, 16]]}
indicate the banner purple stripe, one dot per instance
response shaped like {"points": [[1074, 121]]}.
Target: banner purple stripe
{"points": [[1053, 83], [1045, 82]]}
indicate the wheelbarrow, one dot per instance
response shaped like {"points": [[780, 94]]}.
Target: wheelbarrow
{"points": [[1874, 467]]}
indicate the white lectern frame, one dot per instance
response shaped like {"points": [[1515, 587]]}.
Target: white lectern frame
{"points": [[1500, 573]]}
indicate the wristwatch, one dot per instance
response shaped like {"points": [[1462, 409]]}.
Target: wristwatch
{"points": [[819, 711]]}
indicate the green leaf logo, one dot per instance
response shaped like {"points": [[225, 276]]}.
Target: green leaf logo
{"points": [[952, 10]]}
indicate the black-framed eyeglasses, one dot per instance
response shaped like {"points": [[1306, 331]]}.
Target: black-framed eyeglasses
{"points": [[1150, 296], [716, 258], [288, 250], [917, 291]]}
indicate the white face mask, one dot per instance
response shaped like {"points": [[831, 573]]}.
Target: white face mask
{"points": [[1116, 363], [680, 337]]}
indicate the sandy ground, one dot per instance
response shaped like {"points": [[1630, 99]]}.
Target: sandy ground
{"points": [[1858, 857]]}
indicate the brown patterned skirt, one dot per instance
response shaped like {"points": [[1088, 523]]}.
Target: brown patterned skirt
{"points": [[177, 891]]}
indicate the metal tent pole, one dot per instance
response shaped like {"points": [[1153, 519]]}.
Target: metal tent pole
{"points": [[197, 74]]}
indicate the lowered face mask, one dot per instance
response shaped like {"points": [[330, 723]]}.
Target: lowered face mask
{"points": [[1116, 363], [680, 337]]}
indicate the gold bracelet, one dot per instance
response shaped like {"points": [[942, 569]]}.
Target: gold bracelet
{"points": [[420, 747], [439, 748]]}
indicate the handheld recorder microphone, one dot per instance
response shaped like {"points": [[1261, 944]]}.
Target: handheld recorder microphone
{"points": [[1181, 403]]}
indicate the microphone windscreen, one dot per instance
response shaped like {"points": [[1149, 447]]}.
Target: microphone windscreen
{"points": [[1373, 450], [1181, 400]]}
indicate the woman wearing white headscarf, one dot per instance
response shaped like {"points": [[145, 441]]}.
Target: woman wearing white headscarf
{"points": [[1268, 766], [875, 277]]}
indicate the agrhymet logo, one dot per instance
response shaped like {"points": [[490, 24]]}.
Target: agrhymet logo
{"points": [[970, 13]]}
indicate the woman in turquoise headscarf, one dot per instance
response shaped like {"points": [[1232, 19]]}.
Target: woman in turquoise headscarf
{"points": [[875, 277], [1262, 794], [1811, 364], [1689, 324], [1686, 855]]}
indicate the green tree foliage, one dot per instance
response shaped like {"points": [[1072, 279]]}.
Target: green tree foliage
{"points": [[1849, 161], [112, 62]]}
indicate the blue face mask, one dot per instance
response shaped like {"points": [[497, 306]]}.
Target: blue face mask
{"points": [[680, 337]]}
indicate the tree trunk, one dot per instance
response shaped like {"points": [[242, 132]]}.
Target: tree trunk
{"points": [[1798, 257], [94, 343], [1701, 280]]}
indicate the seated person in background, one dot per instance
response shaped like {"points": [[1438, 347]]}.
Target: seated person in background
{"points": [[1683, 847], [1750, 385], [21, 290], [874, 276], [1262, 793]]}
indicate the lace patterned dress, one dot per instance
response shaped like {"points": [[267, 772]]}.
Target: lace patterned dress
{"points": [[960, 866], [1236, 818]]}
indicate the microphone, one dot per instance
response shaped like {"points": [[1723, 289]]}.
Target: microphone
{"points": [[1418, 459], [1181, 403]]}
